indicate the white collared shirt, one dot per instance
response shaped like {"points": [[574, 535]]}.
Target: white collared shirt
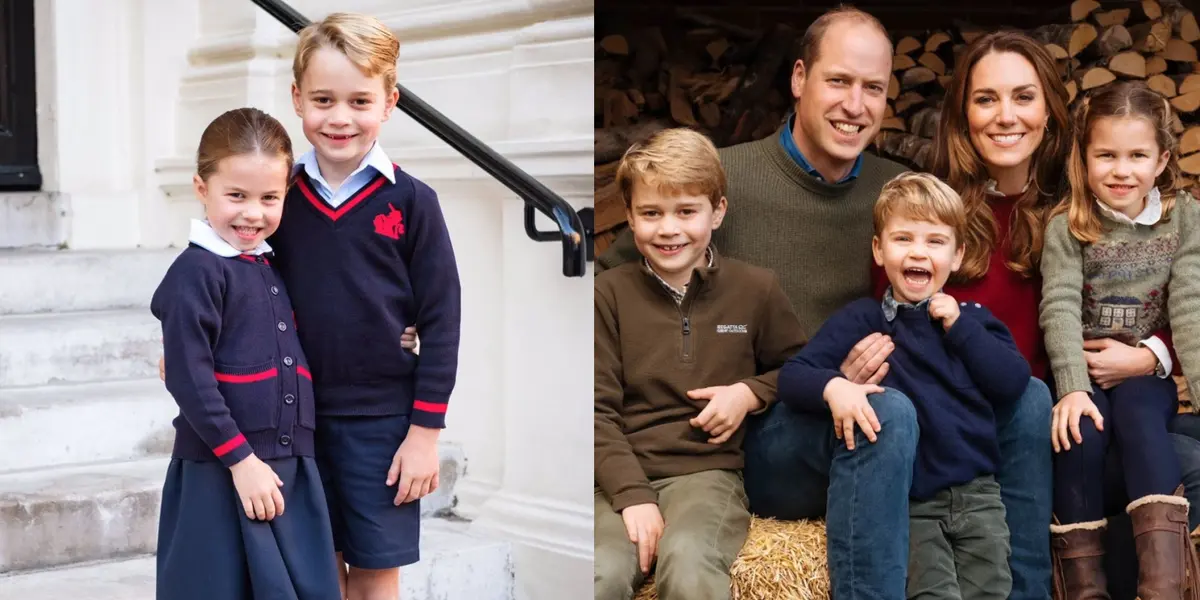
{"points": [[1151, 214], [376, 161], [203, 235]]}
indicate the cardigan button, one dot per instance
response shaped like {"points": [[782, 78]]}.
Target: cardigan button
{"points": [[285, 439], [289, 399], [287, 360], [274, 290], [282, 326]]}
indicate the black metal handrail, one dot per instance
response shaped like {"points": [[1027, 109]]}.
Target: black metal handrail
{"points": [[574, 233]]}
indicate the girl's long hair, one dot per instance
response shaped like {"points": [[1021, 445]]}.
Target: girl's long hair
{"points": [[1122, 99], [958, 163]]}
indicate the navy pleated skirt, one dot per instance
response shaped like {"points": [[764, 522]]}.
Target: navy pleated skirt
{"points": [[208, 549]]}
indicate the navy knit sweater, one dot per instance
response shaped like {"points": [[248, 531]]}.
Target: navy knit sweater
{"points": [[235, 364], [358, 275], [955, 379]]}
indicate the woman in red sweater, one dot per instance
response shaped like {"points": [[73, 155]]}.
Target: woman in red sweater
{"points": [[1002, 143]]}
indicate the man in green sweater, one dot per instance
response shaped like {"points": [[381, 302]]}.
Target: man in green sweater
{"points": [[800, 204]]}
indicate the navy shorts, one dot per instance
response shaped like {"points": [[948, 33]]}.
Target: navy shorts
{"points": [[354, 455]]}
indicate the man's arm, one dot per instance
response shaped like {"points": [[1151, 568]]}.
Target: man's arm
{"points": [[778, 337], [991, 356], [617, 470], [621, 251]]}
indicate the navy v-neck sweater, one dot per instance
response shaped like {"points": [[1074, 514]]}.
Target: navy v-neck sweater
{"points": [[358, 275], [234, 363], [955, 380]]}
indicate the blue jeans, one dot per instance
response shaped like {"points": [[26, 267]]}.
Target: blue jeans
{"points": [[796, 468]]}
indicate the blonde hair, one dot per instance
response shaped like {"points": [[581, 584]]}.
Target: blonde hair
{"points": [[365, 40], [675, 161], [957, 160], [921, 197], [1129, 99]]}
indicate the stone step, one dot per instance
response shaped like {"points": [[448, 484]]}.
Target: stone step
{"points": [[32, 219], [99, 511], [74, 280], [49, 426], [455, 565], [56, 348]]}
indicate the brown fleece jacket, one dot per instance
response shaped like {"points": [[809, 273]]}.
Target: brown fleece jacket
{"points": [[734, 325]]}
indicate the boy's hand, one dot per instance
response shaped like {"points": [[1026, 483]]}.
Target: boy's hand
{"points": [[865, 363], [727, 407], [1066, 415], [944, 308], [258, 486], [415, 465], [162, 368], [849, 405], [408, 339], [644, 524]]}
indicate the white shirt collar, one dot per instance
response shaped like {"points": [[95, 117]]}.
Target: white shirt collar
{"points": [[1150, 215], [376, 158], [991, 189], [202, 235]]}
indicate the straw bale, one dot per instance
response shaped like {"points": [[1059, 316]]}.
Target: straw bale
{"points": [[781, 560]]}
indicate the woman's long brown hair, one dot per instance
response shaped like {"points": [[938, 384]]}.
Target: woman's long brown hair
{"points": [[958, 163], [1121, 99]]}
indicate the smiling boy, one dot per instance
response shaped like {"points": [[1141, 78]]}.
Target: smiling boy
{"points": [[687, 344], [365, 252], [955, 361]]}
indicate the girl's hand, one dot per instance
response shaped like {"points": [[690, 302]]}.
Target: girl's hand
{"points": [[1066, 416], [849, 406], [1111, 362], [258, 487], [865, 364]]}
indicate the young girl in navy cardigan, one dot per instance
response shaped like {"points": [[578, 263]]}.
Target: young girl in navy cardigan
{"points": [[243, 511]]}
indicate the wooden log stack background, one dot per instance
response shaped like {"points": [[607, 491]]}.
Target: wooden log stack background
{"points": [[732, 83]]}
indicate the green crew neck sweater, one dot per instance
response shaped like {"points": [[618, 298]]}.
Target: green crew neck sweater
{"points": [[815, 236], [1136, 280]]}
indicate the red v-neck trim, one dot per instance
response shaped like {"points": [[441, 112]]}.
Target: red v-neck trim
{"points": [[324, 208]]}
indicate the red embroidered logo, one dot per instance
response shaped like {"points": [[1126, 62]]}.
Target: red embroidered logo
{"points": [[390, 225]]}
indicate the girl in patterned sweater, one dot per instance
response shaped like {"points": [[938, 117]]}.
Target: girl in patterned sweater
{"points": [[1121, 260]]}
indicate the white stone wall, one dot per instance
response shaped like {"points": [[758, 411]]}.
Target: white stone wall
{"points": [[126, 88]]}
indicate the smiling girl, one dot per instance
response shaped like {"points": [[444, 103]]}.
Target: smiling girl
{"points": [[1121, 260]]}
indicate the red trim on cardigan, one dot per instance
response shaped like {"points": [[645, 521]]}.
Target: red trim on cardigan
{"points": [[429, 407], [229, 446], [249, 378], [304, 373], [251, 258], [351, 203]]}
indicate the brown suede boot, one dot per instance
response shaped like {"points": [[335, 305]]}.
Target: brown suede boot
{"points": [[1078, 555], [1167, 564]]}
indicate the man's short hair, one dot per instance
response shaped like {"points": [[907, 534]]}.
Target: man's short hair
{"points": [[673, 161], [921, 197], [810, 44]]}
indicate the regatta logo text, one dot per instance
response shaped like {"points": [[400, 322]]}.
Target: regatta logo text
{"points": [[732, 329]]}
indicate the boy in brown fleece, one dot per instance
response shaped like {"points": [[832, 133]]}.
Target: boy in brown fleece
{"points": [[687, 344]]}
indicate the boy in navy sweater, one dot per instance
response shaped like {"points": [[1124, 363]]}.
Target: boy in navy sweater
{"points": [[365, 252], [955, 361]]}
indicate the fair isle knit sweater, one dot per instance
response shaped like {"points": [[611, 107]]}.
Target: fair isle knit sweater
{"points": [[815, 236], [1136, 280]]}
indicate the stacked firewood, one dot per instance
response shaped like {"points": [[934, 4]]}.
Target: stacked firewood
{"points": [[732, 83]]}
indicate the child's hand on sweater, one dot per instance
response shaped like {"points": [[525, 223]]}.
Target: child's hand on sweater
{"points": [[415, 465], [849, 405], [644, 525], [1066, 416], [258, 486], [944, 308], [727, 407], [408, 339]]}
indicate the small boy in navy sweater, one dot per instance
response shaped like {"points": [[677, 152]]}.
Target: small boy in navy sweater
{"points": [[955, 361]]}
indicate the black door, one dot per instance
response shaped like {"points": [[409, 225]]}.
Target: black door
{"points": [[18, 101]]}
